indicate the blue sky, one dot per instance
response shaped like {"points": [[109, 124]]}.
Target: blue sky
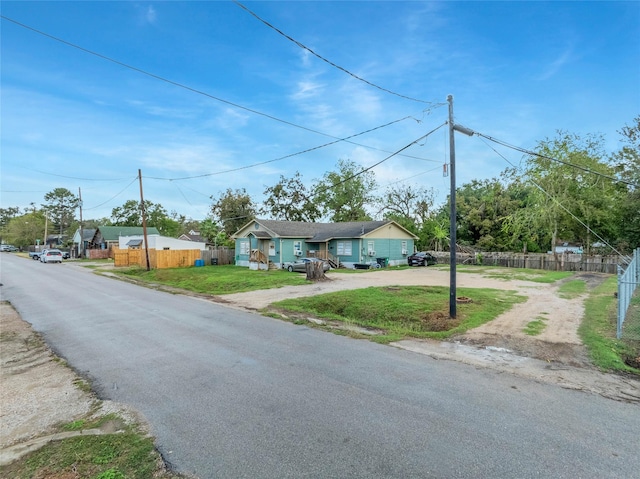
{"points": [[518, 71]]}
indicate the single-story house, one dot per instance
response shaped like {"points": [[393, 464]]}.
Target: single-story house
{"points": [[569, 248], [106, 236], [158, 242], [80, 245], [261, 243]]}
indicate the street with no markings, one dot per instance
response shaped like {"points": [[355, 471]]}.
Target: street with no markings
{"points": [[231, 394]]}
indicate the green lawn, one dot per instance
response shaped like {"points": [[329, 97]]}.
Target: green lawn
{"points": [[395, 312], [216, 279], [598, 330]]}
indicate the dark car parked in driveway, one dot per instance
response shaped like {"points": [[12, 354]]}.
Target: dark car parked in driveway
{"points": [[421, 258]]}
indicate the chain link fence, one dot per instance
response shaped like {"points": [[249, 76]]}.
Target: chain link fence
{"points": [[628, 304]]}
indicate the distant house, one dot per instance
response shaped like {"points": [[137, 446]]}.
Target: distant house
{"points": [[80, 245], [261, 243], [569, 248], [158, 242], [105, 237], [192, 236]]}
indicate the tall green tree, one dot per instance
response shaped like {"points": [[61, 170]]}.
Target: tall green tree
{"points": [[572, 195], [482, 206], [130, 214], [347, 193], [233, 209], [627, 161], [408, 203], [25, 230], [290, 200], [61, 204]]}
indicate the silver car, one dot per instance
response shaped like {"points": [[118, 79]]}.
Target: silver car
{"points": [[51, 256], [300, 266]]}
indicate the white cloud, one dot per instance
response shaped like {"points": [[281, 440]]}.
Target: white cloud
{"points": [[151, 15], [555, 66]]}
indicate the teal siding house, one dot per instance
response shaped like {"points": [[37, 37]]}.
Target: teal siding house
{"points": [[261, 244]]}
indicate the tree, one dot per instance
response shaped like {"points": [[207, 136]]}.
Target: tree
{"points": [[25, 230], [290, 200], [572, 195], [627, 161], [482, 206], [233, 209], [345, 194], [130, 214], [60, 206], [406, 202]]}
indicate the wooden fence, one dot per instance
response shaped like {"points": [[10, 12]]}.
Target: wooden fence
{"points": [[160, 259], [221, 255], [546, 261]]}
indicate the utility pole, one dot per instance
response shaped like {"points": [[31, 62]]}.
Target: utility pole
{"points": [[81, 249], [144, 221], [452, 208]]}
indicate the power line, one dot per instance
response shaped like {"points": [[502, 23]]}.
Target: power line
{"points": [[533, 153], [557, 202], [346, 139], [317, 192], [113, 197], [304, 47], [171, 82]]}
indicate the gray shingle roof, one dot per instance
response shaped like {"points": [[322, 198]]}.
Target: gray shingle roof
{"points": [[319, 232]]}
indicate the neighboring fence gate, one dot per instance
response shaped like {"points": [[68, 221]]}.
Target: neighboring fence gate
{"points": [[627, 283]]}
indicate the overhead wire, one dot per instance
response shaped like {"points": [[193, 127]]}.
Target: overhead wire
{"points": [[557, 202], [346, 139], [539, 155], [304, 47], [113, 197], [315, 193], [172, 82]]}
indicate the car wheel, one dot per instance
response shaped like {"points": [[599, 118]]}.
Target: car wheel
{"points": [[290, 269]]}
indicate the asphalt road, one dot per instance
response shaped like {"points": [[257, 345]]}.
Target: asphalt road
{"points": [[231, 394]]}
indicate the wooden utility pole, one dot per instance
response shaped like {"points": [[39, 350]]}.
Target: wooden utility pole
{"points": [[81, 249], [144, 221], [452, 207], [452, 215]]}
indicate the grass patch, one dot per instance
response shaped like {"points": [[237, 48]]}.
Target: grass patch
{"points": [[217, 279], [598, 330], [534, 275], [405, 311], [534, 328], [127, 455], [572, 289]]}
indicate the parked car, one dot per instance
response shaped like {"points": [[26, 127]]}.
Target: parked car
{"points": [[421, 258], [300, 266], [34, 254], [66, 255], [51, 256], [8, 247]]}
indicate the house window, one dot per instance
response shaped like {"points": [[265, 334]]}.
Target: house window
{"points": [[244, 247], [297, 248], [272, 248], [404, 248], [344, 248], [370, 249]]}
